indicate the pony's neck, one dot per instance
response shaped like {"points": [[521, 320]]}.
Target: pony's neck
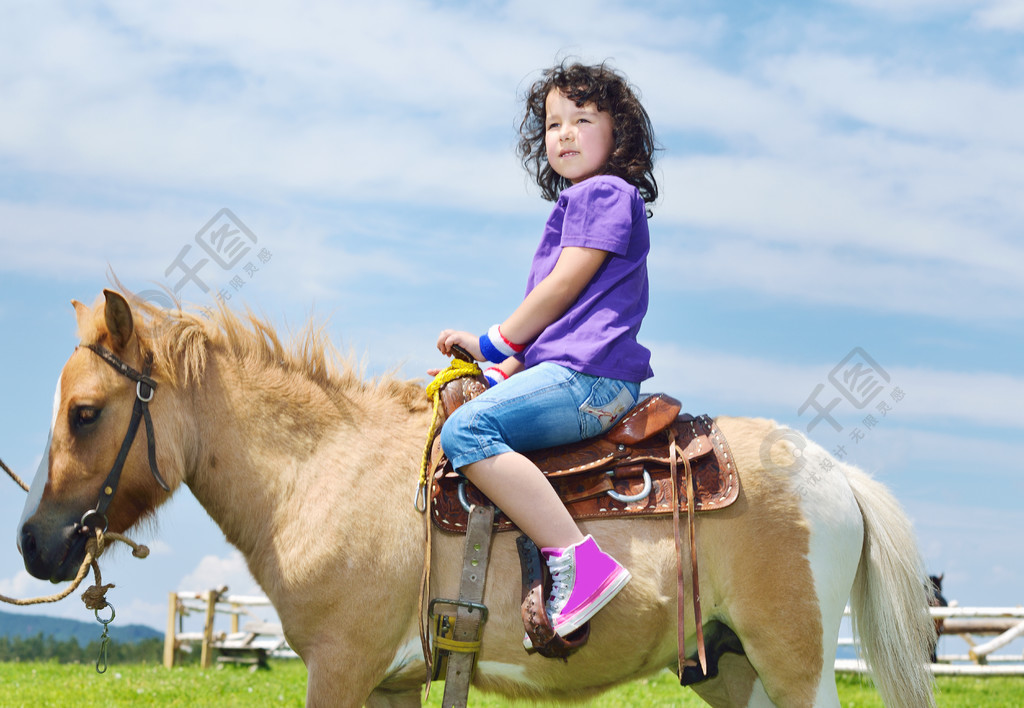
{"points": [[281, 457], [258, 430]]}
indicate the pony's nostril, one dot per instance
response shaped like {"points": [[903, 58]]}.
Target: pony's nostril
{"points": [[27, 546]]}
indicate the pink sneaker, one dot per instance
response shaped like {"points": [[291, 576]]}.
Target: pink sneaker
{"points": [[583, 580]]}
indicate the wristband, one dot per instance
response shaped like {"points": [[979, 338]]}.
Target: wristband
{"points": [[495, 347], [495, 376]]}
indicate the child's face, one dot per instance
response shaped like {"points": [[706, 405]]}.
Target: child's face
{"points": [[578, 139]]}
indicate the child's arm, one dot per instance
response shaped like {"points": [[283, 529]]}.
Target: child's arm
{"points": [[551, 297], [576, 266], [511, 366]]}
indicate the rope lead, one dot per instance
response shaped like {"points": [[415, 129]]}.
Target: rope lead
{"points": [[94, 597]]}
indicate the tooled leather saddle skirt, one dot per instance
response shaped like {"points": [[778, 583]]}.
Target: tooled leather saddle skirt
{"points": [[624, 472]]}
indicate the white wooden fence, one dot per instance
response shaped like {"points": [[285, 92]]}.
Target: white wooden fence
{"points": [[253, 641], [247, 643], [1003, 624]]}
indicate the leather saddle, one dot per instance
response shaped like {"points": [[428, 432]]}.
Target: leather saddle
{"points": [[624, 472]]}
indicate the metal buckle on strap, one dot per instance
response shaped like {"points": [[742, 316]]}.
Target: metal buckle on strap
{"points": [[444, 642], [149, 384]]}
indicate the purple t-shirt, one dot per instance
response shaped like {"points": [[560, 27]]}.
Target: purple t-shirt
{"points": [[597, 334]]}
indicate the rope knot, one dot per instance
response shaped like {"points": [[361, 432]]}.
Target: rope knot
{"points": [[95, 596]]}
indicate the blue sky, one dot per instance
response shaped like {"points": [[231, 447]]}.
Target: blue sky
{"points": [[838, 179]]}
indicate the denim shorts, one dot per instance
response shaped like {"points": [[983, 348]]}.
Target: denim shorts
{"points": [[543, 406]]}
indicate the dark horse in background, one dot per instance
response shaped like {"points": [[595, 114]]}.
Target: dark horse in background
{"points": [[935, 599]]}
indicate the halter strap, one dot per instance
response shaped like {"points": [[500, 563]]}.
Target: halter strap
{"points": [[145, 388]]}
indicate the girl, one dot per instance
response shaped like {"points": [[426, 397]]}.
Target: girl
{"points": [[567, 362]]}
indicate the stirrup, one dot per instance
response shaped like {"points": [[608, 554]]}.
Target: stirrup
{"points": [[540, 635]]}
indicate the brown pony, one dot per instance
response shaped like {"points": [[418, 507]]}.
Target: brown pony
{"points": [[310, 471]]}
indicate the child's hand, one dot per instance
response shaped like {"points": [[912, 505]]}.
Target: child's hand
{"points": [[450, 337]]}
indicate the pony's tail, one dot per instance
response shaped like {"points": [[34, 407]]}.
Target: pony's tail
{"points": [[889, 600]]}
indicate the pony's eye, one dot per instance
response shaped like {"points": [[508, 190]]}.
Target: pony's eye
{"points": [[84, 416]]}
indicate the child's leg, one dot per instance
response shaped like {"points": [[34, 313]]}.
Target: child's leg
{"points": [[522, 492], [541, 407]]}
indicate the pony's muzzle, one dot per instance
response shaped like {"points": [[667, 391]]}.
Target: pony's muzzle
{"points": [[54, 556]]}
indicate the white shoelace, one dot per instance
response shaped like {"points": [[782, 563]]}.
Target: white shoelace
{"points": [[561, 569]]}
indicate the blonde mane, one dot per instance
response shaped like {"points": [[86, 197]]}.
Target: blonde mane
{"points": [[180, 342]]}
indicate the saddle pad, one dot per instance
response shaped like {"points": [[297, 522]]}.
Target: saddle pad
{"points": [[584, 473]]}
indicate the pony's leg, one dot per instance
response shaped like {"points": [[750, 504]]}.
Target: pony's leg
{"points": [[342, 680], [784, 666], [789, 634], [734, 685], [738, 686], [782, 562], [328, 687]]}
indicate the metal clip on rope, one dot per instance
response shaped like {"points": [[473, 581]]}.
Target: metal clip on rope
{"points": [[101, 661]]}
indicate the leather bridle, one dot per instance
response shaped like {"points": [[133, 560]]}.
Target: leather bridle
{"points": [[145, 388]]}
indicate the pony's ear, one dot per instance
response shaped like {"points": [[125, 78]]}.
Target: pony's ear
{"points": [[81, 312], [118, 316]]}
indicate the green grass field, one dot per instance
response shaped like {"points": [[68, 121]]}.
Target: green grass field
{"points": [[49, 684]]}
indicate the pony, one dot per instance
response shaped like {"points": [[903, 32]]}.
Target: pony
{"points": [[309, 469]]}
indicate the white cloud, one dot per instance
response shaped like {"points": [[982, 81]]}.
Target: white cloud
{"points": [[705, 262], [214, 572], [302, 105], [1001, 14], [987, 399], [919, 103], [980, 399], [158, 547], [848, 180], [903, 6], [986, 14], [271, 104], [24, 586], [67, 241]]}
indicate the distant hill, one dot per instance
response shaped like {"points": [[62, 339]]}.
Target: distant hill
{"points": [[25, 625]]}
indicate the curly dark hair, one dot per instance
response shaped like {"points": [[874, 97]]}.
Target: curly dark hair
{"points": [[632, 156]]}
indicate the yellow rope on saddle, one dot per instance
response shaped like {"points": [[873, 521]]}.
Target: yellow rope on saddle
{"points": [[457, 369]]}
